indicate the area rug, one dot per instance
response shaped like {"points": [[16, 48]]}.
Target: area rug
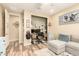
{"points": [[47, 52]]}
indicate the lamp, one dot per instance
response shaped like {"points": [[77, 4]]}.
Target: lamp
{"points": [[49, 24]]}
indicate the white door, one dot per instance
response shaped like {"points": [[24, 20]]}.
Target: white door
{"points": [[11, 27]]}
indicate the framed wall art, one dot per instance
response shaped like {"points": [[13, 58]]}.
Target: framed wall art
{"points": [[28, 23], [69, 18]]}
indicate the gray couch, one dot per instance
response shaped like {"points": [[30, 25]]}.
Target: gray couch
{"points": [[70, 46]]}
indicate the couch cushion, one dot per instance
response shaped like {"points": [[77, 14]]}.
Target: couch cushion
{"points": [[75, 39], [57, 43], [56, 46], [64, 37], [73, 45]]}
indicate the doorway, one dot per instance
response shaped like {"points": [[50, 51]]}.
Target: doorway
{"points": [[13, 28], [39, 29]]}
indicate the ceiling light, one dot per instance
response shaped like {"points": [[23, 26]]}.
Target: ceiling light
{"points": [[52, 10], [44, 5]]}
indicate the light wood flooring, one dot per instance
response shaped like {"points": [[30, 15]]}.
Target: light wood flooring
{"points": [[21, 50]]}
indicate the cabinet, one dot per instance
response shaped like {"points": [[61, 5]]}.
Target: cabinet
{"points": [[2, 46]]}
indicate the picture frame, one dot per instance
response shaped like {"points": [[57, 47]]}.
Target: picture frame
{"points": [[28, 23], [69, 18]]}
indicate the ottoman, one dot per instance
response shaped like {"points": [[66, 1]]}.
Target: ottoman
{"points": [[72, 48], [56, 46]]}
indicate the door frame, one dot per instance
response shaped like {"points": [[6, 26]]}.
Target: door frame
{"points": [[7, 16], [46, 23]]}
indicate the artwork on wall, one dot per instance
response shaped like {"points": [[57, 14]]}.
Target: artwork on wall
{"points": [[16, 24], [27, 23], [69, 18]]}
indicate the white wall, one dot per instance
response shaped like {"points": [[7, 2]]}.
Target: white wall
{"points": [[72, 29], [2, 25]]}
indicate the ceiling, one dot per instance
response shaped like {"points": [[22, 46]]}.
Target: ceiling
{"points": [[44, 8]]}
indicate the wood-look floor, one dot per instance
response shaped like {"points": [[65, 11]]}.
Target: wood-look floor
{"points": [[21, 50]]}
